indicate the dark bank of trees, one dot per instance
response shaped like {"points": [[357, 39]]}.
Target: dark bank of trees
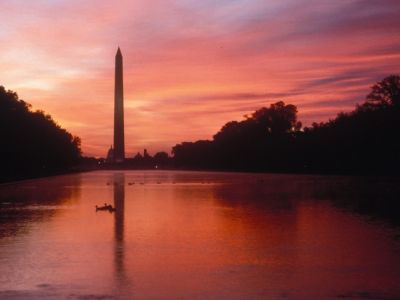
{"points": [[160, 160], [31, 143], [364, 141]]}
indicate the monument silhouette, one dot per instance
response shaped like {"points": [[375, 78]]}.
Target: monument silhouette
{"points": [[119, 141]]}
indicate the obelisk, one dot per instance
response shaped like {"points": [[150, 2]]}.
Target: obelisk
{"points": [[119, 143]]}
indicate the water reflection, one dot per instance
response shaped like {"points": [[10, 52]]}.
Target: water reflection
{"points": [[198, 235], [119, 204], [35, 200], [373, 197]]}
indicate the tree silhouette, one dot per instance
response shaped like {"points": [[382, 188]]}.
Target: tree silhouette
{"points": [[161, 159], [385, 93], [32, 143], [278, 118], [362, 141], [256, 143]]}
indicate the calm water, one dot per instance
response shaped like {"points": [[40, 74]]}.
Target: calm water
{"points": [[200, 235]]}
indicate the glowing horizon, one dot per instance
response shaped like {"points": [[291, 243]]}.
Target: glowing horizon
{"points": [[189, 66]]}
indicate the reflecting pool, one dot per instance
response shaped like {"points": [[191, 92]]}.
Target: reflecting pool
{"points": [[200, 235]]}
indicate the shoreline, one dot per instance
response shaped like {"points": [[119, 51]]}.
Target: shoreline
{"points": [[86, 170]]}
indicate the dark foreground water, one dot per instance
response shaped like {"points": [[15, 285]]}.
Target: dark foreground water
{"points": [[188, 235]]}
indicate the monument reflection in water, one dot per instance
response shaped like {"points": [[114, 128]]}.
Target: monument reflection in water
{"points": [[119, 205]]}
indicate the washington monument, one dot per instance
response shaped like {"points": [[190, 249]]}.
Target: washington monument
{"points": [[119, 143]]}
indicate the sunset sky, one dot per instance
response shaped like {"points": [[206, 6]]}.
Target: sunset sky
{"points": [[191, 66]]}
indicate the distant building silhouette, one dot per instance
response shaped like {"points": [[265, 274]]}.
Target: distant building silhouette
{"points": [[119, 140], [110, 155], [145, 153]]}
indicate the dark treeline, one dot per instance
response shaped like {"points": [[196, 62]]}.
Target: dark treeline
{"points": [[160, 160], [364, 141], [271, 139], [31, 143]]}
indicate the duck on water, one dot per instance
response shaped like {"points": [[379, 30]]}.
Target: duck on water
{"points": [[106, 206]]}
